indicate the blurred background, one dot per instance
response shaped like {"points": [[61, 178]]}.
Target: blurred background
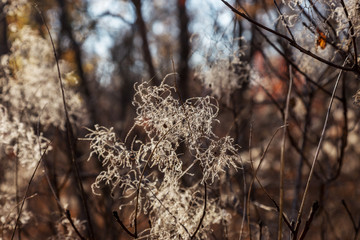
{"points": [[110, 45]]}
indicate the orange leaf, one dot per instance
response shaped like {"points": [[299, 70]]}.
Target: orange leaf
{"points": [[321, 41]]}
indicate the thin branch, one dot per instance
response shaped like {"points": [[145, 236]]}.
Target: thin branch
{"points": [[282, 157], [69, 132], [291, 42], [114, 15], [116, 216], [356, 227], [244, 206], [317, 152], [294, 65], [27, 189], [351, 31], [252, 181], [68, 216], [320, 14], [304, 141], [283, 19], [344, 134], [65, 212], [314, 209], [255, 171], [204, 213], [284, 216]]}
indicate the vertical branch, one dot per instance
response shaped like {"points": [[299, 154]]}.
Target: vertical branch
{"points": [[71, 142], [344, 135], [17, 197], [313, 211], [145, 43], [27, 189], [302, 157], [252, 181], [356, 227], [255, 171], [317, 153], [204, 213], [282, 157]]}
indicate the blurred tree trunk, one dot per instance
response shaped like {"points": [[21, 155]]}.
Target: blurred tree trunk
{"points": [[67, 30], [4, 48], [145, 43], [183, 68]]}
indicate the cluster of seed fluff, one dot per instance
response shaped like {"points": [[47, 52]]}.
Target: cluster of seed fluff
{"points": [[30, 84], [65, 230], [8, 215], [18, 140], [114, 157], [30, 96], [176, 212], [172, 127], [225, 75], [163, 116]]}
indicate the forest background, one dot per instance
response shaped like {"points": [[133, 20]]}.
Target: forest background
{"points": [[179, 119]]}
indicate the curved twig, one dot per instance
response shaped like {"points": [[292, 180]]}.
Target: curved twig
{"points": [[117, 218], [204, 213]]}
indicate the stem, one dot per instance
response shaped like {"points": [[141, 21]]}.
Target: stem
{"points": [[203, 215], [282, 157], [317, 153]]}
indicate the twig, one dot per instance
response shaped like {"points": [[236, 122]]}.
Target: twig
{"points": [[260, 229], [204, 212], [302, 157], [116, 216], [68, 216], [27, 190], [356, 227], [282, 157], [291, 42], [314, 209], [352, 33], [69, 132], [284, 216], [244, 206], [283, 19], [250, 187], [9, 213], [255, 171], [294, 65], [321, 15], [317, 153], [344, 134]]}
